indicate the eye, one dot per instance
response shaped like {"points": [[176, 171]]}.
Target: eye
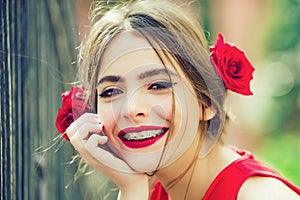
{"points": [[110, 92], [161, 85]]}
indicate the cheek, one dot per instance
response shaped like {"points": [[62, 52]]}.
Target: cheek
{"points": [[186, 108], [107, 116], [161, 106], [180, 105]]}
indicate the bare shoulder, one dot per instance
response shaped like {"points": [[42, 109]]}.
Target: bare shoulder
{"points": [[265, 188]]}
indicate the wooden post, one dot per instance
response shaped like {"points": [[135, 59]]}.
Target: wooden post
{"points": [[37, 55]]}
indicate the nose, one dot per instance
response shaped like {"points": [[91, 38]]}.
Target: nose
{"points": [[135, 107]]}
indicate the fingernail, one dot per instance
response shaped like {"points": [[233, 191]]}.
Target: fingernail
{"points": [[103, 140]]}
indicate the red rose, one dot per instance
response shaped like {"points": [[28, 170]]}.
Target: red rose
{"points": [[73, 106], [233, 66]]}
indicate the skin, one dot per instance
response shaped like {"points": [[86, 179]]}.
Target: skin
{"points": [[132, 104], [141, 96]]}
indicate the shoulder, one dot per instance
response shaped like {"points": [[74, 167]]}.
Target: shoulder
{"points": [[265, 188]]}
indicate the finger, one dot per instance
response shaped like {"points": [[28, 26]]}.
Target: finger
{"points": [[95, 140], [94, 155], [86, 117], [91, 150], [83, 133], [90, 117], [71, 129], [86, 130], [108, 159], [77, 143]]}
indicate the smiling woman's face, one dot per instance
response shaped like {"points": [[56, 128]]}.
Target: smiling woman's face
{"points": [[136, 93]]}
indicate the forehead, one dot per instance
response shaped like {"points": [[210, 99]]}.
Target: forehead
{"points": [[128, 48], [131, 53]]}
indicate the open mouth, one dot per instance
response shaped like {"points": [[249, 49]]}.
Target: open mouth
{"points": [[142, 136]]}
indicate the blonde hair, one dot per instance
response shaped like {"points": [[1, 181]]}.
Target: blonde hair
{"points": [[174, 36], [166, 27]]}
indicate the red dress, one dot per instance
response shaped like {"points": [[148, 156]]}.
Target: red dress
{"points": [[229, 181]]}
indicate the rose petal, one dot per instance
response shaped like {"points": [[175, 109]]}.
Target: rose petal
{"points": [[233, 66], [73, 106]]}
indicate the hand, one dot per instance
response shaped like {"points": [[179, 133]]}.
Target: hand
{"points": [[85, 136]]}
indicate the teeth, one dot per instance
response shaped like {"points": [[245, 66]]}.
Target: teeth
{"points": [[143, 135]]}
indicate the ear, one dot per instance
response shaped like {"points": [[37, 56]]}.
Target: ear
{"points": [[209, 112]]}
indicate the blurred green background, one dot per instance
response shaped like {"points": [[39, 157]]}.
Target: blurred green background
{"points": [[267, 123], [38, 62], [281, 43]]}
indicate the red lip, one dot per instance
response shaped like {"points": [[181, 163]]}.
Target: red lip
{"points": [[141, 142]]}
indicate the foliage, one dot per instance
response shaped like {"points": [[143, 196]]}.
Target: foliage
{"points": [[282, 153], [283, 27], [282, 45]]}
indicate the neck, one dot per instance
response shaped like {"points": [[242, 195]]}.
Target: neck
{"points": [[189, 177]]}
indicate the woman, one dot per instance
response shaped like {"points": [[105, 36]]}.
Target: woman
{"points": [[160, 109]]}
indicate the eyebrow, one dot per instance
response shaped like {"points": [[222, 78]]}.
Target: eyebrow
{"points": [[111, 78], [154, 72], [143, 75]]}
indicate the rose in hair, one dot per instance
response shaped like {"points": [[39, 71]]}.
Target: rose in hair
{"points": [[233, 66], [73, 106]]}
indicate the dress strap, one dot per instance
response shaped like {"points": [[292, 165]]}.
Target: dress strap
{"points": [[228, 183], [159, 193]]}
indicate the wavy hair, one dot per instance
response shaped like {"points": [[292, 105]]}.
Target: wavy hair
{"points": [[166, 27]]}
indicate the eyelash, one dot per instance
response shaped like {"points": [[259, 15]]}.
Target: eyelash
{"points": [[160, 85], [110, 92]]}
